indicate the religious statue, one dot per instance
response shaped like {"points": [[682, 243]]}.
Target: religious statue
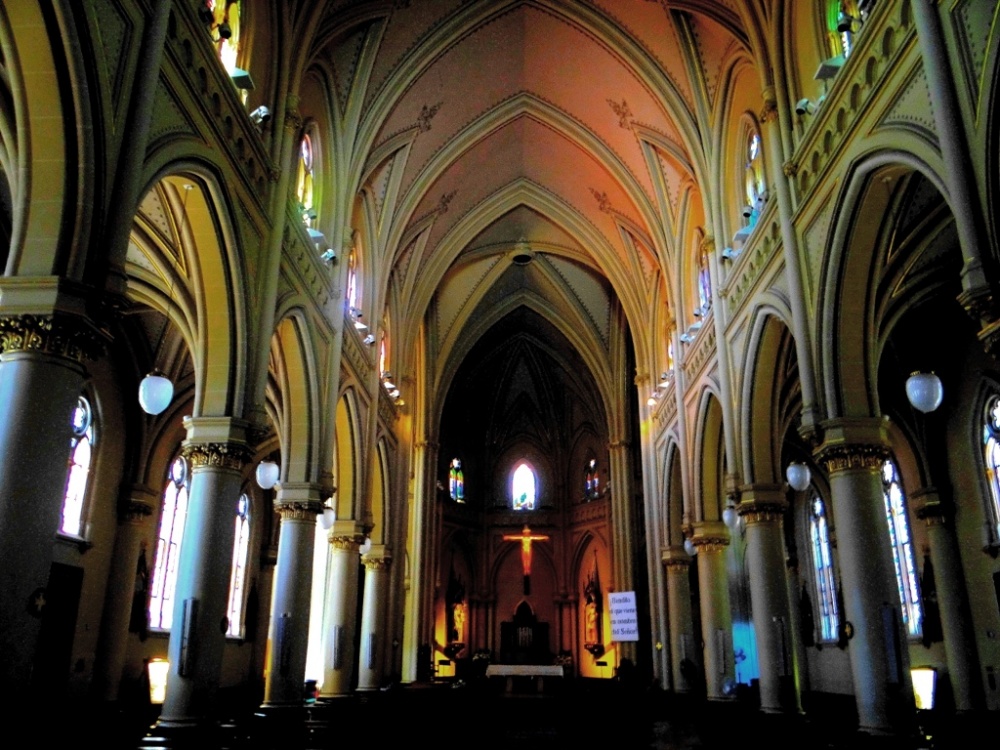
{"points": [[456, 612], [526, 538], [593, 609]]}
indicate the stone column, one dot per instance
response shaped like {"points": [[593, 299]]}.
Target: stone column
{"points": [[373, 630], [298, 505], [762, 508], [953, 601], [622, 527], [112, 645], [853, 453], [679, 620], [216, 452], [341, 605], [711, 539], [41, 377]]}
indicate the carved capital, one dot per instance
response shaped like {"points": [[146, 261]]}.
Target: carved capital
{"points": [[217, 455], [675, 560], [376, 563], [298, 511], [761, 512], [845, 457], [135, 511], [61, 335], [769, 111], [346, 543], [790, 169]]}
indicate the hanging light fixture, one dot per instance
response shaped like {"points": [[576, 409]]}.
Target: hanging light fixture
{"points": [[155, 392], [329, 516], [267, 474], [924, 390], [690, 547], [798, 476], [730, 516]]}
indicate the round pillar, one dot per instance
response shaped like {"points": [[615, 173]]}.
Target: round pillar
{"points": [[298, 505], [711, 539], [216, 451], [679, 620], [853, 455], [373, 640], [339, 620]]}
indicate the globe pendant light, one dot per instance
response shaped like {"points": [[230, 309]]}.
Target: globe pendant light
{"points": [[924, 390], [267, 474], [690, 547], [798, 476], [155, 392]]}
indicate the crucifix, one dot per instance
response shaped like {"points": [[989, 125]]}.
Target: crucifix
{"points": [[526, 538]]}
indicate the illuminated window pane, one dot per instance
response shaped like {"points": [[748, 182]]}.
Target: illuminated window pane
{"points": [[237, 579], [168, 547], [592, 481], [456, 481], [81, 452], [991, 450], [826, 588], [902, 547], [523, 488]]}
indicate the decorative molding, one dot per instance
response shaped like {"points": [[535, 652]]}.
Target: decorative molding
{"points": [[761, 512], [790, 168], [603, 203], [843, 457], [62, 336], [135, 511], [426, 115], [232, 456], [623, 112], [710, 543]]}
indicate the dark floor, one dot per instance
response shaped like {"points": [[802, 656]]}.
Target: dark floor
{"points": [[585, 714]]}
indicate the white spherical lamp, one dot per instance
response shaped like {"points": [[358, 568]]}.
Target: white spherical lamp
{"points": [[730, 516], [155, 393], [690, 548], [267, 474], [924, 390], [798, 476]]}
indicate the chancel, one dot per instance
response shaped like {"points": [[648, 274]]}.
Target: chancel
{"points": [[352, 348]]}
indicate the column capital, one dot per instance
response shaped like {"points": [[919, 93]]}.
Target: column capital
{"points": [[59, 334], [379, 558], [851, 444], [762, 503], [219, 442], [346, 543], [299, 501], [674, 558], [711, 536], [138, 505], [927, 504]]}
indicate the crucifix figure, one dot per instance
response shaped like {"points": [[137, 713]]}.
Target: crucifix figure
{"points": [[526, 538]]}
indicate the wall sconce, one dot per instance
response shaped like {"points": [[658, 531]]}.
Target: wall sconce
{"points": [[329, 515], [747, 211], [329, 257], [369, 339], [804, 107], [241, 79], [687, 338], [924, 391], [261, 115], [729, 254], [730, 516], [155, 392], [665, 378], [267, 474], [798, 476]]}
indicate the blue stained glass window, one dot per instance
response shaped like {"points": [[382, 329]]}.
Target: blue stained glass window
{"points": [[826, 587], [902, 547]]}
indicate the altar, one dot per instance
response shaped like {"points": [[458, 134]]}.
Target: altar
{"points": [[537, 671]]}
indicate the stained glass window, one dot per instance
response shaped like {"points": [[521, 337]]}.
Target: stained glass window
{"points": [[456, 481], [304, 182], [238, 576], [704, 280], [523, 487], [81, 452], [754, 178], [592, 481], [826, 588], [991, 450], [168, 546], [902, 547]]}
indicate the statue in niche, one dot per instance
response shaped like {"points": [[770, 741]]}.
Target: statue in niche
{"points": [[456, 613], [593, 609]]}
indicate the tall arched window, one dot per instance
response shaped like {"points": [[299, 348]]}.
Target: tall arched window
{"points": [[456, 481], [592, 480], [168, 546], [826, 587], [522, 487], [304, 179], [352, 280], [238, 576], [704, 279], [902, 547], [753, 177], [991, 451], [226, 15], [81, 453], [844, 18]]}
